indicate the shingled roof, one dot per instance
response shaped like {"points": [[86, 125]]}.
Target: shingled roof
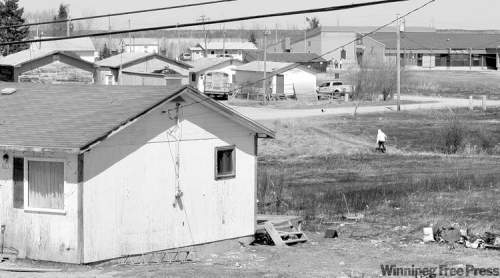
{"points": [[73, 117], [284, 57], [25, 56], [125, 58]]}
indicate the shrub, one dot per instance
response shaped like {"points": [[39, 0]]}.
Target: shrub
{"points": [[453, 136]]}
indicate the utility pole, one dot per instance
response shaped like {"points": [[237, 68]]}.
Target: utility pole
{"points": [[109, 29], [264, 82], [68, 25], [178, 43], [224, 40], [129, 36], [276, 33], [202, 19], [398, 62]]}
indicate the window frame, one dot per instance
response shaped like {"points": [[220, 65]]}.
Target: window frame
{"points": [[231, 175], [14, 204], [27, 207]]}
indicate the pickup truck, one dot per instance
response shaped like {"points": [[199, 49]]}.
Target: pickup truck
{"points": [[333, 89]]}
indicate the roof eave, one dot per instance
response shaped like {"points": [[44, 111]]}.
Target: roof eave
{"points": [[259, 129], [39, 149]]}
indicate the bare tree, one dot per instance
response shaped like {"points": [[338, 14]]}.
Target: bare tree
{"points": [[313, 23], [372, 80]]}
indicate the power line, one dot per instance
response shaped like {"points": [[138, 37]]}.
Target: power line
{"points": [[318, 10], [116, 14], [296, 65]]}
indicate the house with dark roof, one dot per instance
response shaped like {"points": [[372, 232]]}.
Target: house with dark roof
{"points": [[92, 173], [52, 67], [309, 60], [444, 50], [284, 79], [141, 69], [224, 49]]}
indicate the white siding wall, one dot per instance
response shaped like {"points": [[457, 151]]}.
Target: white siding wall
{"points": [[428, 61], [129, 186], [332, 40], [304, 83], [41, 235]]}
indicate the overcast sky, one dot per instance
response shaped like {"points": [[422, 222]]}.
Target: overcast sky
{"points": [[463, 14]]}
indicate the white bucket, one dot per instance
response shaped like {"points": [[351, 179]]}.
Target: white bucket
{"points": [[428, 234]]}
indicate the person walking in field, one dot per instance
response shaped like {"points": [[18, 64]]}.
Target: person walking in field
{"points": [[381, 138]]}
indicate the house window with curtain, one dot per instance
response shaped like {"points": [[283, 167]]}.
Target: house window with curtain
{"points": [[18, 182], [45, 184], [225, 162]]}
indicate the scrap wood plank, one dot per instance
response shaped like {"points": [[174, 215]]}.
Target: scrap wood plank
{"points": [[273, 233], [27, 269]]}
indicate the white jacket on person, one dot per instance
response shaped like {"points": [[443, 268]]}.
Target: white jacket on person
{"points": [[381, 137]]}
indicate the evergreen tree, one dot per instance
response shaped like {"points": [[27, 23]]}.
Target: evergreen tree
{"points": [[12, 14], [105, 52], [60, 29], [252, 38]]}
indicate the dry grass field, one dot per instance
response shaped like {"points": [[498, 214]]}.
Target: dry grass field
{"points": [[452, 83], [322, 167]]}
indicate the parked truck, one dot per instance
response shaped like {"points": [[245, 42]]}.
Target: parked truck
{"points": [[333, 89]]}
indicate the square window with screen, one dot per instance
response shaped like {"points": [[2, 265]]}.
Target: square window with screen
{"points": [[225, 162], [45, 184]]}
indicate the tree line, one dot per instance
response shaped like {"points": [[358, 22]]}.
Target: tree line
{"points": [[12, 14]]}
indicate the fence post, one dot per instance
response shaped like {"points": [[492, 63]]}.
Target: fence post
{"points": [[484, 102], [471, 103]]}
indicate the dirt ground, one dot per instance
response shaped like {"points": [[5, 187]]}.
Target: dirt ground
{"points": [[358, 252], [416, 103]]}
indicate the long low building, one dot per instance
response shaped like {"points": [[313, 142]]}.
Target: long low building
{"points": [[421, 48], [447, 51]]}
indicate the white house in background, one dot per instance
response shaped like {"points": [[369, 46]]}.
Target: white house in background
{"points": [[117, 171], [216, 49], [196, 53], [82, 47], [142, 45], [213, 76], [285, 78]]}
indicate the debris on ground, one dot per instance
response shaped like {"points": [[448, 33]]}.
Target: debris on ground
{"points": [[428, 234], [8, 254], [452, 235], [331, 233], [281, 230]]}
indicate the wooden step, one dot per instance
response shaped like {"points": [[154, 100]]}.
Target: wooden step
{"points": [[290, 241], [290, 233]]}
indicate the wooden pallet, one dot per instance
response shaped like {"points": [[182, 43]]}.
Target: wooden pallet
{"points": [[283, 230]]}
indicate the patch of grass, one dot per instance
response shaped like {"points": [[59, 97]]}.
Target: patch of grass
{"points": [[459, 84], [314, 162]]}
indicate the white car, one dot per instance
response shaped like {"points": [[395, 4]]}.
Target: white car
{"points": [[333, 89]]}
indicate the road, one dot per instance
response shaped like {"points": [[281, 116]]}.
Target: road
{"points": [[259, 113]]}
